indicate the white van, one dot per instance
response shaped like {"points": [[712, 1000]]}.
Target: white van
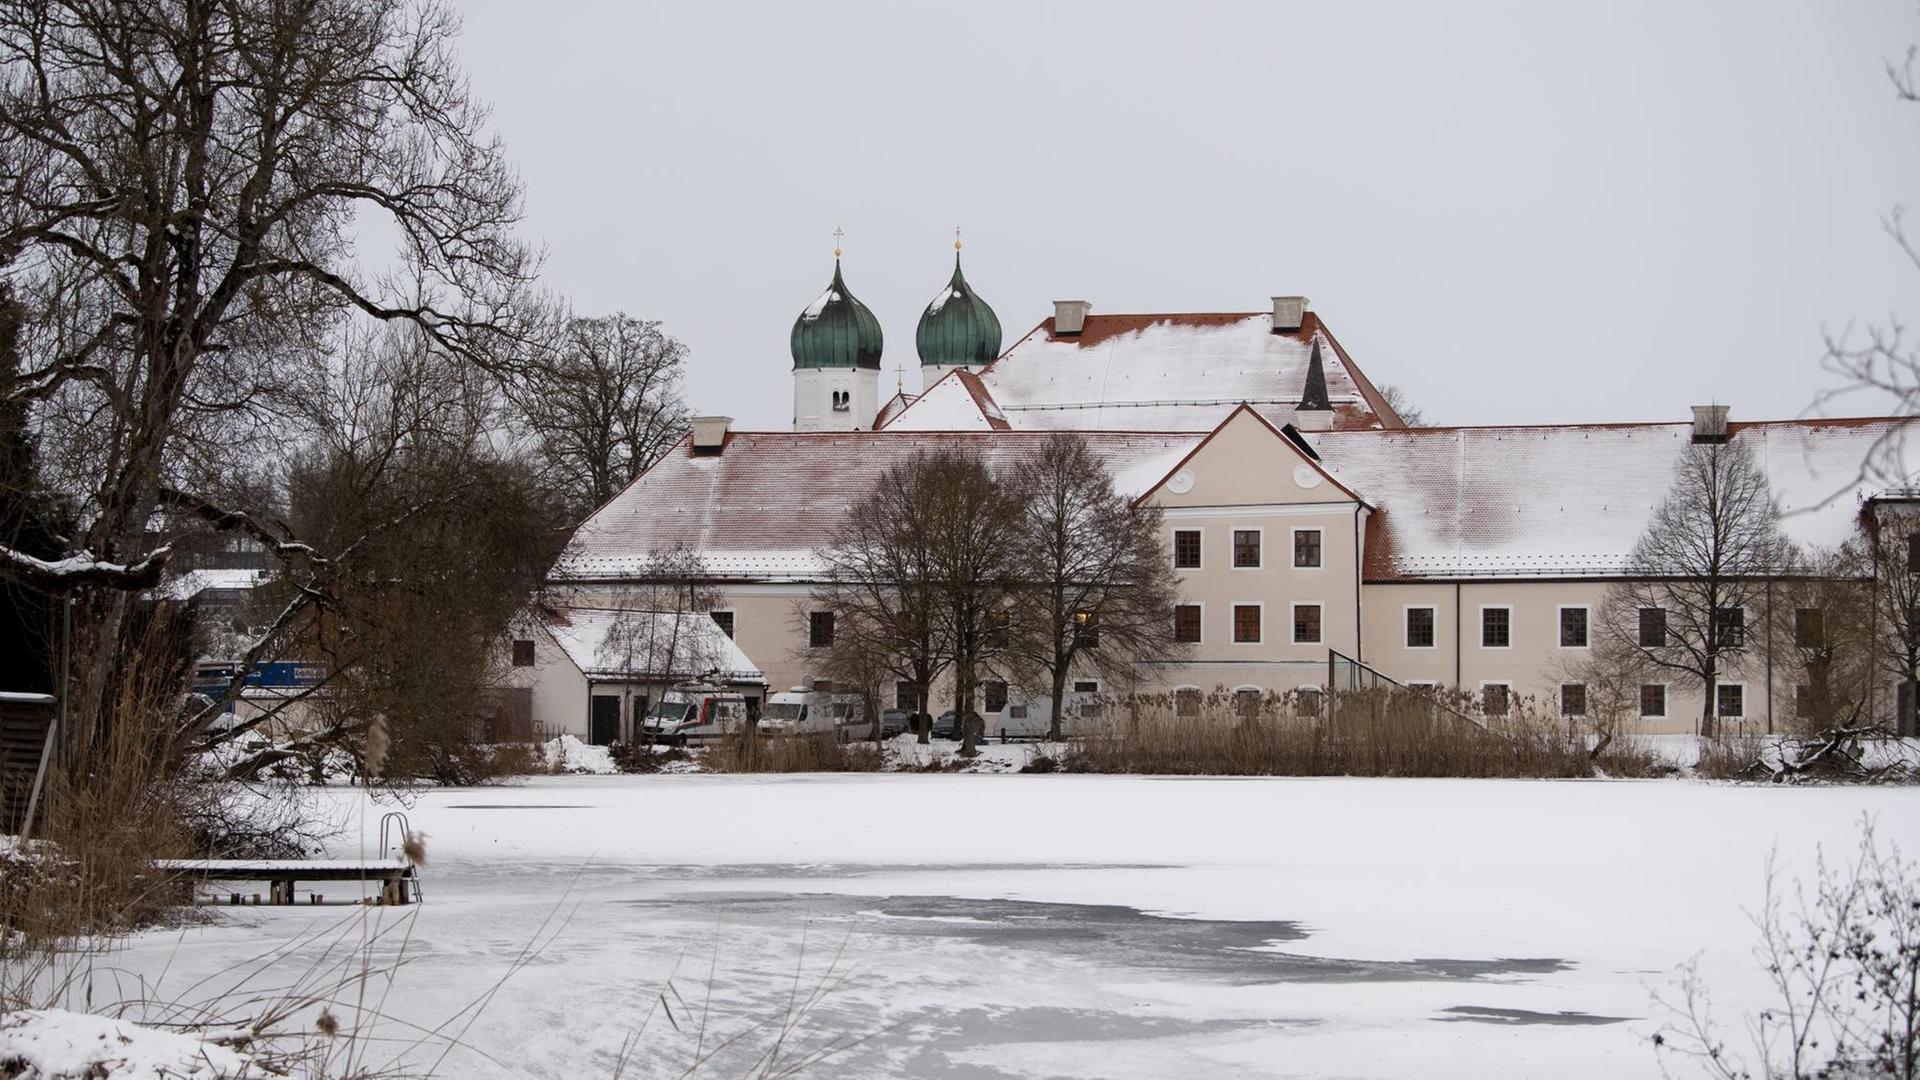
{"points": [[1028, 716], [810, 712], [684, 716]]}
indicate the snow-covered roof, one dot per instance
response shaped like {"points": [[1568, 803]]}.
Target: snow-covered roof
{"points": [[653, 644], [1572, 500], [761, 509], [1149, 373], [891, 408], [194, 582]]}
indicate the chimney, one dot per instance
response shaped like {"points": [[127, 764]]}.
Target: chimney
{"points": [[1709, 423], [710, 435], [1070, 316], [1289, 313]]}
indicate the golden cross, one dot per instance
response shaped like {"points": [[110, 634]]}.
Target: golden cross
{"points": [[900, 377], [837, 234], [956, 238]]}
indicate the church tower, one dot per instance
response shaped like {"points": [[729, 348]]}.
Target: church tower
{"points": [[958, 329], [836, 360]]}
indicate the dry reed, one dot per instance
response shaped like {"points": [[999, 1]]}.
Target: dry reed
{"points": [[1349, 733]]}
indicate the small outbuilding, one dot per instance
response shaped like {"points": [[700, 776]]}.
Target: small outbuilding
{"points": [[594, 672]]}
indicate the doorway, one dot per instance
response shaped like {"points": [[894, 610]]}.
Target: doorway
{"points": [[603, 722]]}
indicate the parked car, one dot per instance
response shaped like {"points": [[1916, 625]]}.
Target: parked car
{"points": [[945, 728], [895, 722]]}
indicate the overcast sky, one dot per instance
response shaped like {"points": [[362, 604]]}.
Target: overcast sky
{"points": [[1526, 211]]}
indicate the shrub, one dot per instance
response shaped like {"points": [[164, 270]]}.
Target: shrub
{"points": [[1845, 973]]}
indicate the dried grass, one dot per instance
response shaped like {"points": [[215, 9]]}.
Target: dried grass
{"points": [[1350, 733], [744, 753]]}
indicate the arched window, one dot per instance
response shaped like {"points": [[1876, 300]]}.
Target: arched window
{"points": [[1246, 702], [1186, 702], [842, 400], [1307, 701]]}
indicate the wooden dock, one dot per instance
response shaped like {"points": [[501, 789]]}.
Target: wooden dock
{"points": [[399, 880]]}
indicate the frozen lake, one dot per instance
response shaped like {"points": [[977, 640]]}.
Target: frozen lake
{"points": [[1066, 926]]}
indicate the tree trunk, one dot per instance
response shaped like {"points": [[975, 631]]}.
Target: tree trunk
{"points": [[1709, 722], [963, 707], [1059, 691], [922, 719]]}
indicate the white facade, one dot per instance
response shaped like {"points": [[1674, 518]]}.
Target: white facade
{"points": [[933, 373], [835, 399]]}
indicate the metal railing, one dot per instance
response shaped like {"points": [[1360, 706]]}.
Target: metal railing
{"points": [[1346, 673]]}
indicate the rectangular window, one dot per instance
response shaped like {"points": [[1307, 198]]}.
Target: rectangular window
{"points": [[1913, 552], [1246, 703], [1086, 686], [724, 620], [1246, 549], [999, 629], [1419, 628], [1494, 698], [1653, 699], [1653, 633], [1730, 700], [995, 694], [1306, 701], [1186, 623], [1809, 629], [904, 697], [1086, 630], [1306, 547], [1246, 624], [821, 686], [1730, 627], [1496, 627], [1186, 549], [1186, 702], [1573, 699], [522, 652], [1306, 624], [1803, 703], [819, 629], [1573, 628]]}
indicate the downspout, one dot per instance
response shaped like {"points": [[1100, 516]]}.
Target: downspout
{"points": [[1359, 652], [1458, 630], [1771, 634]]}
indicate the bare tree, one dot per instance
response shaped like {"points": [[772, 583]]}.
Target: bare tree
{"points": [[435, 541], [1824, 631], [1893, 555], [974, 519], [663, 631], [1609, 676], [1096, 586], [606, 405], [1881, 360], [185, 180], [1401, 403], [880, 580], [857, 660], [1699, 570]]}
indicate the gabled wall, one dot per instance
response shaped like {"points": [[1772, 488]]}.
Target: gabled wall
{"points": [[1248, 476]]}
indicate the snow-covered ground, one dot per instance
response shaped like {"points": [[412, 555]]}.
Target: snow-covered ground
{"points": [[1059, 925]]}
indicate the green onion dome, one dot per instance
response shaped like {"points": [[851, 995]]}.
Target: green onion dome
{"points": [[836, 331], [958, 328]]}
